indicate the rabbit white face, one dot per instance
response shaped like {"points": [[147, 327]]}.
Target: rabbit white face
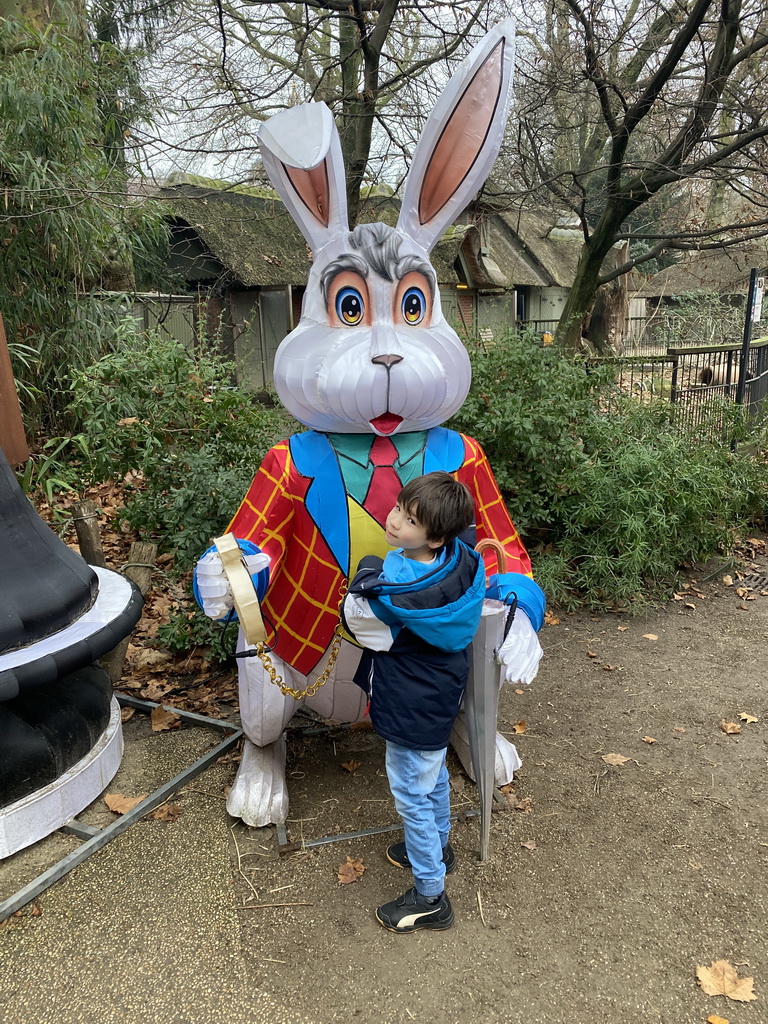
{"points": [[372, 351]]}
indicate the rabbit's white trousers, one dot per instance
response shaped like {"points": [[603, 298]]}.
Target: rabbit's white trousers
{"points": [[259, 794]]}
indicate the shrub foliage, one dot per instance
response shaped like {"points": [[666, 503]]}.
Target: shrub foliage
{"points": [[611, 495]]}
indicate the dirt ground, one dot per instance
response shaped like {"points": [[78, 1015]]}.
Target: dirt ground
{"points": [[605, 888], [640, 872]]}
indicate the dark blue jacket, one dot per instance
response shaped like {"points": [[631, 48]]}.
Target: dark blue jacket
{"points": [[415, 637]]}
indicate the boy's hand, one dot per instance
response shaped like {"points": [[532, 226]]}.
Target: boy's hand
{"points": [[521, 651]]}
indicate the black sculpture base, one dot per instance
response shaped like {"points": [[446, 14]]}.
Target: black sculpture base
{"points": [[47, 731]]}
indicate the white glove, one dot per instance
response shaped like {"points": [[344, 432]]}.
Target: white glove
{"points": [[213, 585], [521, 651]]}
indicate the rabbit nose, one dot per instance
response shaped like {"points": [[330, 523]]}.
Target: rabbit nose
{"points": [[385, 348], [387, 360]]}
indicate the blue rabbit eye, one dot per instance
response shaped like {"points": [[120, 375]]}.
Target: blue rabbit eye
{"points": [[414, 306], [350, 306]]}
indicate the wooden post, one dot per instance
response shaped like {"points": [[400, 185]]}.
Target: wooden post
{"points": [[12, 439], [141, 561], [86, 519]]}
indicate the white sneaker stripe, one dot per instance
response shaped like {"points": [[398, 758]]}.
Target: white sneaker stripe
{"points": [[406, 922]]}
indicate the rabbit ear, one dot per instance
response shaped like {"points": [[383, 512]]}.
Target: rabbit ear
{"points": [[302, 155], [461, 139]]}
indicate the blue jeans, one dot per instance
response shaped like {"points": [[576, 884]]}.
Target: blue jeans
{"points": [[419, 783]]}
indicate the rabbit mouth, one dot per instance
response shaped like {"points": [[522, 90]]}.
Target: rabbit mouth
{"points": [[387, 423]]}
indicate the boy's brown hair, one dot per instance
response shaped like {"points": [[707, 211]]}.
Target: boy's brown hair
{"points": [[443, 506]]}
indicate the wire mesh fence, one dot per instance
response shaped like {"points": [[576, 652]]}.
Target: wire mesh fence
{"points": [[698, 383]]}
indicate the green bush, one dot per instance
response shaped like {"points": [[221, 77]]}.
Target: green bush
{"points": [[612, 497], [172, 421]]}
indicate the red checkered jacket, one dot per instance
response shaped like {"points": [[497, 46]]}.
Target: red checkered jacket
{"points": [[296, 511]]}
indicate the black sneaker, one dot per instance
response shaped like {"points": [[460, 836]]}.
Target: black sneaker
{"points": [[398, 855], [412, 911]]}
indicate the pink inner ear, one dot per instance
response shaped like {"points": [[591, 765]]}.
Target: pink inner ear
{"points": [[463, 136], [312, 188]]}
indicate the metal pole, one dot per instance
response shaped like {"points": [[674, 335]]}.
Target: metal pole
{"points": [[741, 386]]}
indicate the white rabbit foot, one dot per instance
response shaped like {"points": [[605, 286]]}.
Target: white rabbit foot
{"points": [[507, 759], [259, 795]]}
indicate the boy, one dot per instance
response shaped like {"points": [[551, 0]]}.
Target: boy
{"points": [[415, 615]]}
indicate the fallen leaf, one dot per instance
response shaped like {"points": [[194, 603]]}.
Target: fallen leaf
{"points": [[749, 719], [714, 1019], [516, 803], [678, 728], [120, 804], [622, 629], [650, 636], [591, 654], [351, 870], [150, 660], [615, 759], [728, 581], [519, 727], [126, 714], [128, 421], [166, 812], [648, 739], [550, 619], [163, 719], [730, 728], [689, 605], [35, 911], [609, 668], [721, 979], [530, 845], [519, 691], [351, 766]]}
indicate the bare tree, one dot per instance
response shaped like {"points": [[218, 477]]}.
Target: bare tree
{"points": [[632, 104], [379, 65]]}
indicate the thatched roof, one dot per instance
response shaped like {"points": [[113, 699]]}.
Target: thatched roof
{"points": [[723, 270], [253, 239], [535, 257]]}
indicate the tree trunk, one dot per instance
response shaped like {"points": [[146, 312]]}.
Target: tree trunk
{"points": [[607, 324]]}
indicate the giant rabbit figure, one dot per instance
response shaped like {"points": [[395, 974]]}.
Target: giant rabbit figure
{"points": [[372, 369]]}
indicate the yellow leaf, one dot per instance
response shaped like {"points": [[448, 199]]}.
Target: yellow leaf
{"points": [[166, 812], [648, 739], [650, 636], [615, 759], [721, 979], [163, 720], [550, 619], [350, 870], [519, 727], [119, 804], [748, 718], [714, 1019], [730, 728]]}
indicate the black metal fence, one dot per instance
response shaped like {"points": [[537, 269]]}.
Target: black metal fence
{"points": [[699, 382]]}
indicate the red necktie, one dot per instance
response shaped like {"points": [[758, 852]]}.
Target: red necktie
{"points": [[385, 483]]}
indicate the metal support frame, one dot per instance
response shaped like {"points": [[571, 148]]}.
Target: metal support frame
{"points": [[286, 846], [95, 838]]}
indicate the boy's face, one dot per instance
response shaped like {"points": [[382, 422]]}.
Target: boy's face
{"points": [[403, 530]]}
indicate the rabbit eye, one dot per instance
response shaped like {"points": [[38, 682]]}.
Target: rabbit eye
{"points": [[414, 306], [350, 306]]}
